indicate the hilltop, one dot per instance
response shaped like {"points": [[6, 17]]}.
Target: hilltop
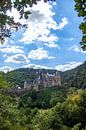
{"points": [[75, 77], [72, 78], [19, 76]]}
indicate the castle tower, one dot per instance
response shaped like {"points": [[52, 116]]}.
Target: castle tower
{"points": [[50, 79], [25, 85], [58, 78], [42, 81]]}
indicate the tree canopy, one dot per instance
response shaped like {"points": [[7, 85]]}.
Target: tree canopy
{"points": [[3, 83], [32, 111], [80, 6]]}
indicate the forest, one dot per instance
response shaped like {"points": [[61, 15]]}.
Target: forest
{"points": [[56, 108]]}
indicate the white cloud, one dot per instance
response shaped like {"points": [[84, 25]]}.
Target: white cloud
{"points": [[35, 66], [52, 45], [68, 66], [15, 14], [63, 23], [18, 58], [40, 23], [39, 54], [49, 41], [6, 69], [77, 49], [11, 49], [72, 38]]}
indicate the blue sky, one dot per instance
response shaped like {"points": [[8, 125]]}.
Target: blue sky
{"points": [[50, 41]]}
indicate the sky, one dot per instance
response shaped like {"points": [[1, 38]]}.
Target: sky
{"points": [[51, 40]]}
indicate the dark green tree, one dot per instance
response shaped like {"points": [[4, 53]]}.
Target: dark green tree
{"points": [[47, 120], [73, 110], [3, 83], [80, 6], [6, 20]]}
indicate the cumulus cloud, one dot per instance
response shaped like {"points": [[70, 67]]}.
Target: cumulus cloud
{"points": [[68, 66], [35, 66], [6, 69], [18, 58], [63, 23], [40, 23], [11, 49], [77, 49], [39, 54]]}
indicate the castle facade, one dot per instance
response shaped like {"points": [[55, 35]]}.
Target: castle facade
{"points": [[44, 80]]}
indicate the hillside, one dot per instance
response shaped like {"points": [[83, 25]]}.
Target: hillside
{"points": [[72, 78], [17, 77], [75, 77]]}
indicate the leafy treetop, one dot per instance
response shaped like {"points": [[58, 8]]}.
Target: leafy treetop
{"points": [[80, 6]]}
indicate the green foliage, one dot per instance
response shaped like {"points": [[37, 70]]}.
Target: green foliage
{"points": [[65, 115], [73, 110], [49, 109], [13, 118], [80, 6], [47, 120], [3, 83], [75, 77], [69, 115], [6, 5], [8, 112], [44, 99], [18, 77], [56, 97]]}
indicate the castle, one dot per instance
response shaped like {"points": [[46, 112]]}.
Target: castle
{"points": [[44, 80]]}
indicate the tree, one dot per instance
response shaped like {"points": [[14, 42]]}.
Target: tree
{"points": [[3, 83], [55, 98], [80, 6], [8, 112], [73, 110], [7, 23], [47, 120]]}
